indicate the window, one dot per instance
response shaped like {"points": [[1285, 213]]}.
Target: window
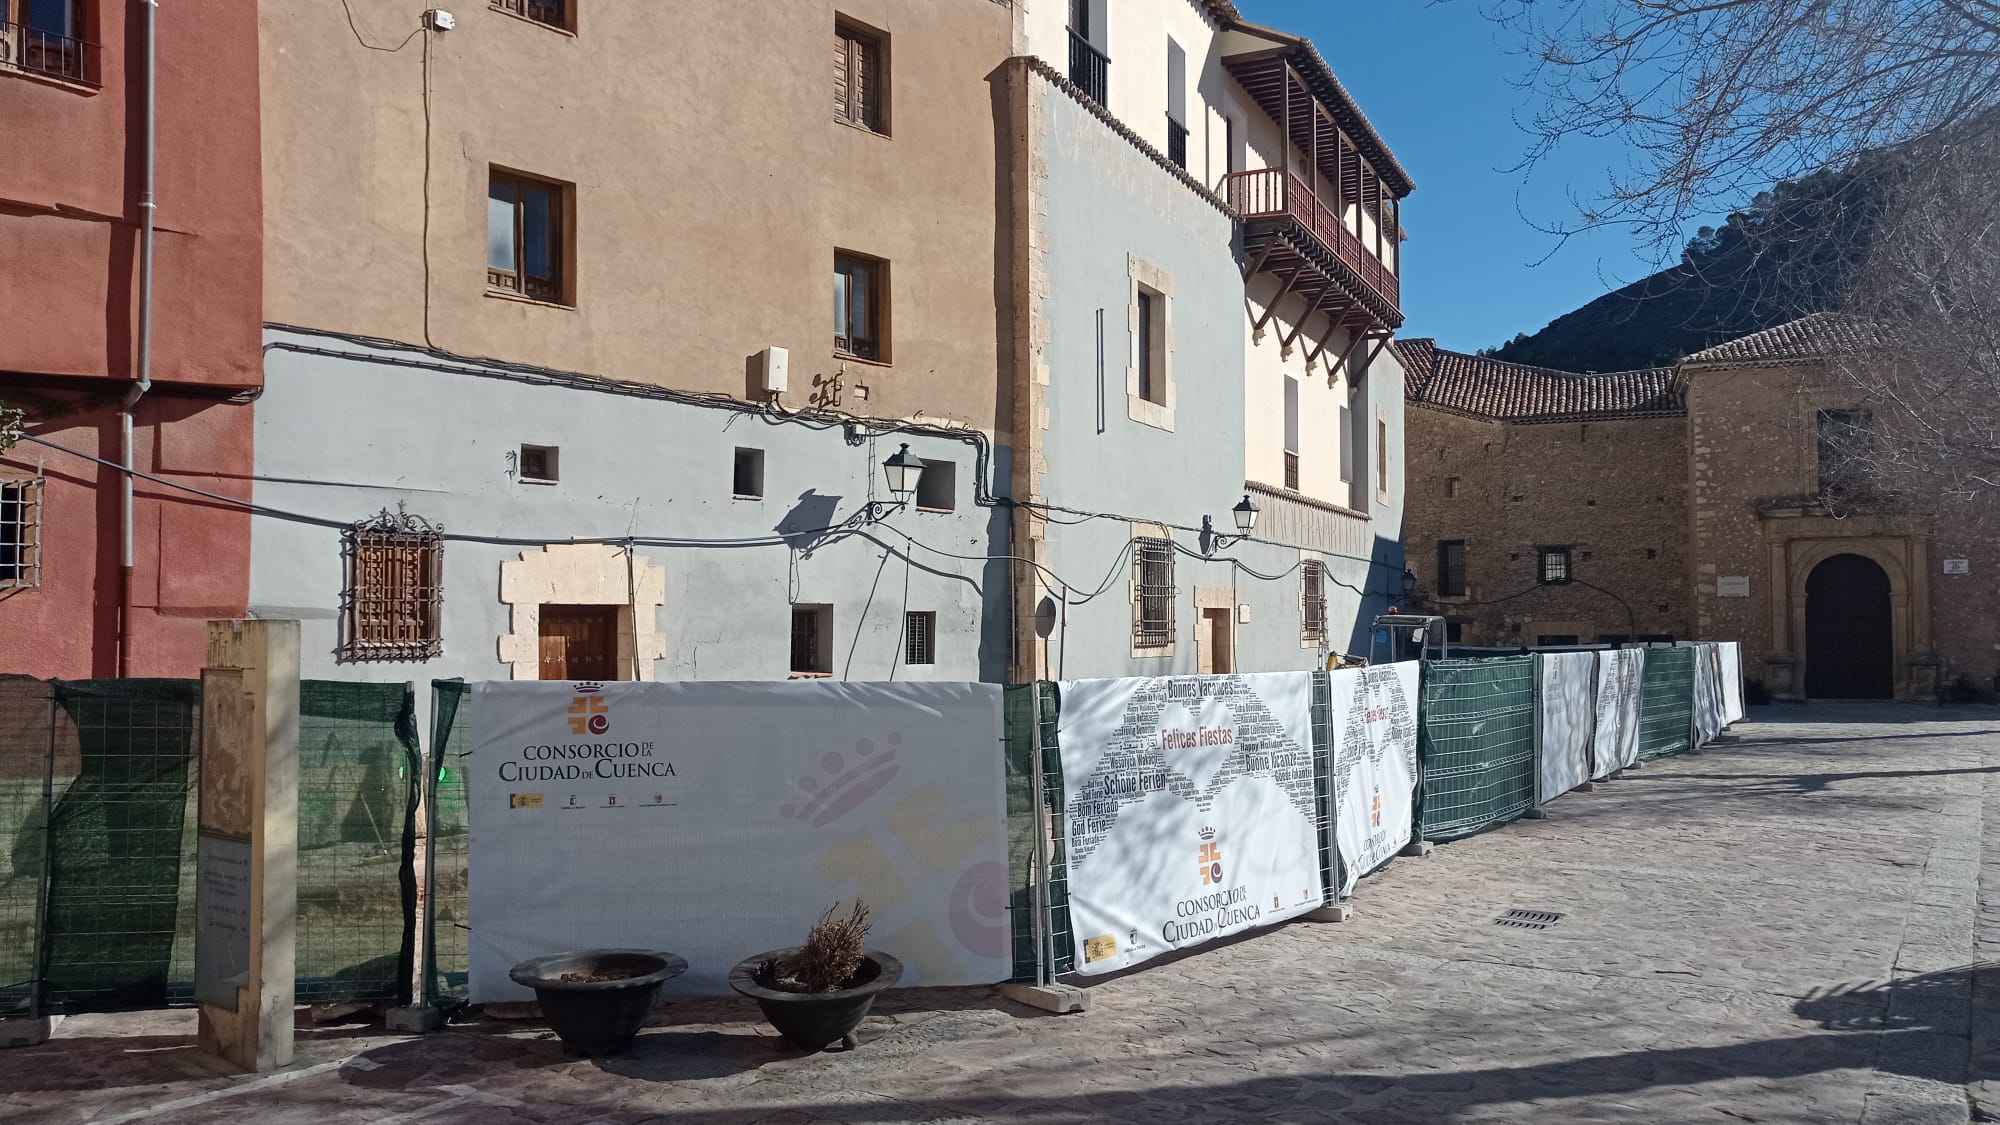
{"points": [[1151, 347], [554, 13], [857, 305], [20, 533], [1454, 631], [812, 640], [1153, 592], [391, 606], [1841, 436], [1553, 563], [1345, 438], [1177, 130], [1453, 487], [1291, 433], [749, 480], [539, 465], [1546, 639], [1229, 143], [46, 37], [1382, 454], [524, 236], [1089, 69], [859, 77], [1451, 568], [937, 486], [1312, 594], [920, 638]]}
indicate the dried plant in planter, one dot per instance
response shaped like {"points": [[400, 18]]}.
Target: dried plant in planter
{"points": [[831, 955]]}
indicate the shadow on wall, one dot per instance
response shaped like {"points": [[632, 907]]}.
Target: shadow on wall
{"points": [[1383, 589]]}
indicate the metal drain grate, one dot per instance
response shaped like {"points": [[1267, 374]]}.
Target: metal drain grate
{"points": [[1528, 919]]}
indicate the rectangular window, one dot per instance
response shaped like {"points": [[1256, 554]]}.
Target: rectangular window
{"points": [[1177, 130], [1229, 143], [1089, 69], [554, 13], [391, 608], [46, 37], [1382, 454], [1153, 592], [859, 77], [812, 640], [857, 305], [539, 464], [920, 638], [1454, 631], [524, 236], [1151, 346], [20, 533], [1553, 565], [1346, 439], [1451, 568], [748, 483], [1312, 594], [1840, 437], [1291, 433], [1453, 487], [937, 487]]}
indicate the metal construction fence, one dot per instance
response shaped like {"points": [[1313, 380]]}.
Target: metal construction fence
{"points": [[98, 791], [99, 782]]}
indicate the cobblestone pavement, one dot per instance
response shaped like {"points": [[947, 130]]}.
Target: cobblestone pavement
{"points": [[1790, 926]]}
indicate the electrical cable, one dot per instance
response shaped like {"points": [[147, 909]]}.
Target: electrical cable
{"points": [[359, 38]]}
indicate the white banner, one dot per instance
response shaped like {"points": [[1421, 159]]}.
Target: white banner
{"points": [[1189, 810], [1374, 764], [1707, 714], [1565, 721], [1732, 681], [717, 820], [1615, 741]]}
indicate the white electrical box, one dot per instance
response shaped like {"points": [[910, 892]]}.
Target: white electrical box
{"points": [[441, 20], [775, 363]]}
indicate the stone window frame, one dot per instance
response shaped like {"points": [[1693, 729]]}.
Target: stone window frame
{"points": [[583, 574], [1141, 274]]}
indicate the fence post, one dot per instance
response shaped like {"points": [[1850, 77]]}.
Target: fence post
{"points": [[423, 1016], [246, 860], [1044, 993]]}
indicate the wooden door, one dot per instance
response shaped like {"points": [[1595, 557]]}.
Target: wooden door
{"points": [[579, 642], [1217, 651], [1850, 647]]}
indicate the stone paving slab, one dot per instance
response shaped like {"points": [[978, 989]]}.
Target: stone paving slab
{"points": [[1799, 925]]}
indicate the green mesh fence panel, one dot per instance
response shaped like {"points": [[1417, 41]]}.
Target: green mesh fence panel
{"points": [[1061, 930], [1330, 866], [121, 856], [1476, 745], [358, 788], [448, 955], [1666, 702], [1019, 703], [27, 722]]}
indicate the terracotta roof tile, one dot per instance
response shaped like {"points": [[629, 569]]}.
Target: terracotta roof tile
{"points": [[1499, 391], [1818, 336]]}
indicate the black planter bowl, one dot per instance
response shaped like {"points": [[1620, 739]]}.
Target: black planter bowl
{"points": [[597, 1017], [811, 1020]]}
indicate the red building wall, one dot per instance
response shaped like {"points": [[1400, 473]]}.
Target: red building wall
{"points": [[71, 177]]}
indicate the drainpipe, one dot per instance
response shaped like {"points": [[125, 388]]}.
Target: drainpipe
{"points": [[145, 358]]}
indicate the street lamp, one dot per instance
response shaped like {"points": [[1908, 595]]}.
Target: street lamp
{"points": [[1245, 514], [903, 468], [1409, 583]]}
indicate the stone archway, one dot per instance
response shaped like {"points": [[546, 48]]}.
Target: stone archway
{"points": [[584, 574], [1850, 642], [1900, 560]]}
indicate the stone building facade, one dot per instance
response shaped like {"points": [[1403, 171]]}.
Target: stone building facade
{"points": [[1544, 507], [1831, 597]]}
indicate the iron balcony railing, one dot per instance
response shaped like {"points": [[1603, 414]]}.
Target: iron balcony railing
{"points": [[39, 51], [1177, 135], [1089, 68], [1264, 193]]}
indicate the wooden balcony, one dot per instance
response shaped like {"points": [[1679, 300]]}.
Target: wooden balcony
{"points": [[1285, 228]]}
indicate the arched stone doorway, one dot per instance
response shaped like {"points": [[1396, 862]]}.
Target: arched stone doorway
{"points": [[1850, 638]]}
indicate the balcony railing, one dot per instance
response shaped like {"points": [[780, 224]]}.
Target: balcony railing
{"points": [[1089, 68], [37, 51], [1264, 193], [1177, 135]]}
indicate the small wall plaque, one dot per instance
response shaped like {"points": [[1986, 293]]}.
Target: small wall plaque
{"points": [[1958, 566], [1732, 586]]}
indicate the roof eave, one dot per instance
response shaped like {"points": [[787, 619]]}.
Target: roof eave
{"points": [[1309, 55]]}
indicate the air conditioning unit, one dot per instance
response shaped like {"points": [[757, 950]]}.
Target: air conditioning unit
{"points": [[775, 364]]}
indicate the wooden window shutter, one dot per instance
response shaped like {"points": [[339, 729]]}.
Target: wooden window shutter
{"points": [[868, 83], [843, 55]]}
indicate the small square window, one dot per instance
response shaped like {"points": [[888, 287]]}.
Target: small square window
{"points": [[1553, 563], [539, 464], [525, 245], [937, 488], [749, 479], [1453, 487], [859, 302], [920, 638], [860, 77], [812, 640]]}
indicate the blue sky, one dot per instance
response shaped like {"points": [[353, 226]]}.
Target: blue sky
{"points": [[1436, 80]]}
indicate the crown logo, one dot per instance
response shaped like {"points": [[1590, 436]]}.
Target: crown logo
{"points": [[1207, 833], [843, 782], [587, 687]]}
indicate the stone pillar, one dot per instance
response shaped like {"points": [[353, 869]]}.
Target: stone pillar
{"points": [[1781, 668], [246, 889], [1924, 670]]}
